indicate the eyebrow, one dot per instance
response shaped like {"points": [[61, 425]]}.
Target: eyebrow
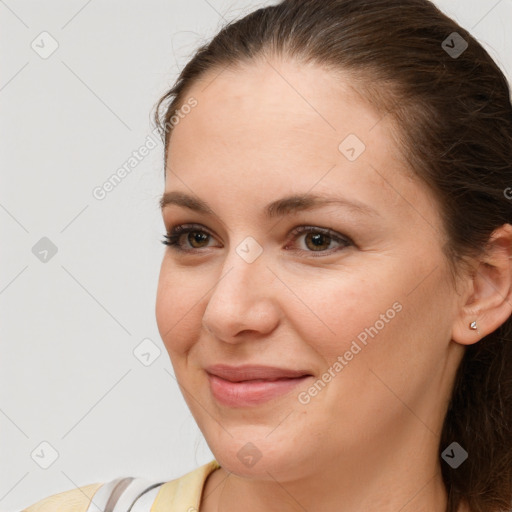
{"points": [[278, 208]]}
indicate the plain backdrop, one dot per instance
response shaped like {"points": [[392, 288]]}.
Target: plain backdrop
{"points": [[78, 275]]}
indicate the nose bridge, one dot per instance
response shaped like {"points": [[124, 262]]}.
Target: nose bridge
{"points": [[241, 299], [244, 271]]}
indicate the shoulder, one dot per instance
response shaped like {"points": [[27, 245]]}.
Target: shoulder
{"points": [[76, 500], [137, 493], [184, 493]]}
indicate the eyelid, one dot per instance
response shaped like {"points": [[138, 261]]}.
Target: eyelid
{"points": [[326, 231], [185, 228], [344, 241], [178, 230]]}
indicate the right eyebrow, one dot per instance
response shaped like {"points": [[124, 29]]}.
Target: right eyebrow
{"points": [[185, 200], [278, 208]]}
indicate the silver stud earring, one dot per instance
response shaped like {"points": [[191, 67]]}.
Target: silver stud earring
{"points": [[474, 327]]}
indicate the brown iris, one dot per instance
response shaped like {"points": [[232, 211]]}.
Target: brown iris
{"points": [[196, 237], [319, 241]]}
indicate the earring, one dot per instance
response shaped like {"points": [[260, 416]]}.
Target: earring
{"points": [[474, 327]]}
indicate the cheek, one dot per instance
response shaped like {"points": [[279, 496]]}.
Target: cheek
{"points": [[391, 336], [177, 306], [380, 317], [381, 356], [335, 311]]}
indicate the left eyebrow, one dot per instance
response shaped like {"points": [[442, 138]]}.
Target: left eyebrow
{"points": [[278, 208], [295, 203]]}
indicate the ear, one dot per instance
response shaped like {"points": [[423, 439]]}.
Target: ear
{"points": [[488, 299]]}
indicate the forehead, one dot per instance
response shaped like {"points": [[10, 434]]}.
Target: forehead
{"points": [[275, 114], [282, 98], [274, 128]]}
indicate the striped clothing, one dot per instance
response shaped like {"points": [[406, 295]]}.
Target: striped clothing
{"points": [[130, 494]]}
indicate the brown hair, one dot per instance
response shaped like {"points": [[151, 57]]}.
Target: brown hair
{"points": [[454, 118]]}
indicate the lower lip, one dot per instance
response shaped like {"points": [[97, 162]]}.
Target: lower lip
{"points": [[250, 393]]}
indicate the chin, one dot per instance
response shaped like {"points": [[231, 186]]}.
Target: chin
{"points": [[262, 458]]}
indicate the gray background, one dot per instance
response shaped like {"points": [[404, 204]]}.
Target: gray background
{"points": [[70, 324]]}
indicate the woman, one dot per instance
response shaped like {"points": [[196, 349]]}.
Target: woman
{"points": [[336, 295]]}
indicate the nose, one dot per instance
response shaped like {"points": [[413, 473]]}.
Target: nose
{"points": [[243, 302]]}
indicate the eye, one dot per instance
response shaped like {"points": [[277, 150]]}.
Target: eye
{"points": [[193, 237], [320, 240], [187, 237]]}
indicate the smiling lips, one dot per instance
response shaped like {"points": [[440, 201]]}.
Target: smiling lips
{"points": [[244, 386]]}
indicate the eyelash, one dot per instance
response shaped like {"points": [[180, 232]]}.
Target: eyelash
{"points": [[172, 238]]}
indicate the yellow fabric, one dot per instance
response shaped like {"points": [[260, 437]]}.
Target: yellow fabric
{"points": [[182, 494], [76, 500]]}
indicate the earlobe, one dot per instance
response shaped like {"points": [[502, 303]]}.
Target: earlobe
{"points": [[489, 304]]}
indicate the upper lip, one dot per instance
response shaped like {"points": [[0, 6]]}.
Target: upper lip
{"points": [[253, 372]]}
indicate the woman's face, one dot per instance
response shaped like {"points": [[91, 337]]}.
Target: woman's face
{"points": [[311, 251]]}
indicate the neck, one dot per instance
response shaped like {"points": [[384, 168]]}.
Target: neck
{"points": [[403, 477]]}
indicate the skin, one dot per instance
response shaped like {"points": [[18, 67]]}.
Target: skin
{"points": [[369, 439]]}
